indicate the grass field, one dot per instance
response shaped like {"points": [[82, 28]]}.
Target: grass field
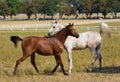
{"points": [[110, 50]]}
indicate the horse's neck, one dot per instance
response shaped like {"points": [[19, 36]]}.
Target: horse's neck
{"points": [[61, 36]]}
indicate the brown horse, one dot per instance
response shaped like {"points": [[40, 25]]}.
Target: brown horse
{"points": [[44, 46]]}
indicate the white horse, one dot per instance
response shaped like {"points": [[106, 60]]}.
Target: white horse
{"points": [[90, 39]]}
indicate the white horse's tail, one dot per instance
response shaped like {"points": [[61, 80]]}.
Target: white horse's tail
{"points": [[104, 29]]}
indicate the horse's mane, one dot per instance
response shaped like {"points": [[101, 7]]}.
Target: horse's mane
{"points": [[57, 32]]}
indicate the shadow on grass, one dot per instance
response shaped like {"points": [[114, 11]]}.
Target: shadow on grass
{"points": [[109, 70], [48, 72]]}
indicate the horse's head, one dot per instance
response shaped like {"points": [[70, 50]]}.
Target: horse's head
{"points": [[72, 30], [54, 28]]}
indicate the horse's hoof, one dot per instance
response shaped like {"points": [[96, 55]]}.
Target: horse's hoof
{"points": [[14, 73], [90, 69], [99, 69], [69, 72], [66, 74]]}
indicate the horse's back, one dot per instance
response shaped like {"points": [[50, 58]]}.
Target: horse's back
{"points": [[42, 45], [92, 35], [86, 39], [30, 42]]}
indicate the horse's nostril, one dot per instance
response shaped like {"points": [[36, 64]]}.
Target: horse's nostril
{"points": [[48, 34], [77, 36]]}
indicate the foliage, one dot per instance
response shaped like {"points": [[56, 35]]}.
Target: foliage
{"points": [[13, 5], [49, 7], [104, 8], [68, 10], [4, 9], [30, 7], [88, 6], [63, 7], [115, 6]]}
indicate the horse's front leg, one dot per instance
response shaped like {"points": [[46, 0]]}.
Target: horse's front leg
{"points": [[55, 68], [33, 61], [69, 60], [59, 62]]}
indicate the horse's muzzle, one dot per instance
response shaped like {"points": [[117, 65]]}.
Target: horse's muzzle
{"points": [[77, 36], [49, 34]]}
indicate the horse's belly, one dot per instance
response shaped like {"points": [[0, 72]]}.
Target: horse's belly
{"points": [[45, 51], [79, 47]]}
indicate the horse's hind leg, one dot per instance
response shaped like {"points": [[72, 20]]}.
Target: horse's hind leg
{"points": [[33, 61], [19, 61], [94, 53], [99, 57], [100, 62]]}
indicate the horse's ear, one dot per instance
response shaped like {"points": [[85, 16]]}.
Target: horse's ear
{"points": [[56, 22], [72, 24], [69, 23]]}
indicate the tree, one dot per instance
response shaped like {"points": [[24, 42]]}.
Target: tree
{"points": [[104, 7], [14, 6], [74, 11], [88, 7], [52, 8], [42, 8], [36, 4], [61, 6], [70, 10], [49, 7], [96, 7], [115, 7], [76, 6], [4, 9], [67, 10], [28, 8]]}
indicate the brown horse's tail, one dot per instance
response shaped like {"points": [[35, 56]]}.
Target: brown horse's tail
{"points": [[15, 40]]}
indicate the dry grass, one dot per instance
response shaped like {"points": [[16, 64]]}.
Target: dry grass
{"points": [[81, 59]]}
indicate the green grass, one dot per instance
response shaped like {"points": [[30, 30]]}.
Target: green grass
{"points": [[81, 60]]}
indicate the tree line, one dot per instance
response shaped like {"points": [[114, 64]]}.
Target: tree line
{"points": [[62, 7]]}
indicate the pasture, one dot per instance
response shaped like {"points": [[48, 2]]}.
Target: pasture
{"points": [[110, 51]]}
